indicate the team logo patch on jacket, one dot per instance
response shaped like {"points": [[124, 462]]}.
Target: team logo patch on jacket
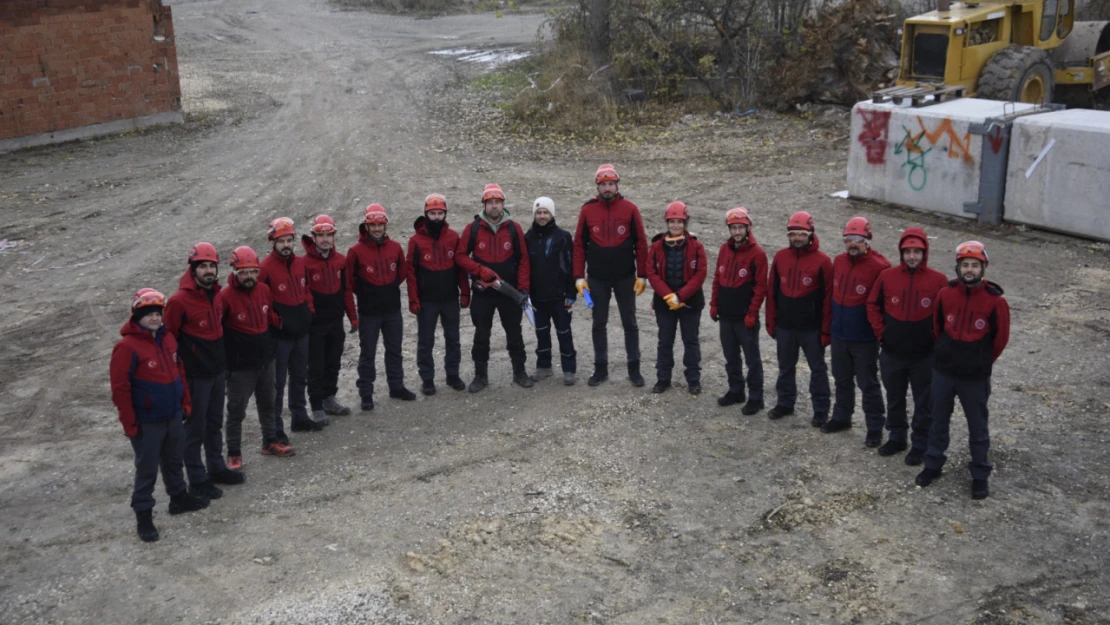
{"points": [[925, 302], [807, 281], [861, 289]]}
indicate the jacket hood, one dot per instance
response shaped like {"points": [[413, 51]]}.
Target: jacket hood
{"points": [[505, 217], [917, 233], [132, 328]]}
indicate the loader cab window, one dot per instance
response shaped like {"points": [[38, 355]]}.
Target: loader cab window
{"points": [[930, 54], [1048, 19], [984, 32], [1067, 18]]}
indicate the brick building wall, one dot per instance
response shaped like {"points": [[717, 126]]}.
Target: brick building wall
{"points": [[66, 64]]}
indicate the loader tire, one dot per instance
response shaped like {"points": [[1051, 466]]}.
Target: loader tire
{"points": [[1017, 74]]}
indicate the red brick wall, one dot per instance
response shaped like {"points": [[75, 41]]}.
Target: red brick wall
{"points": [[70, 63]]}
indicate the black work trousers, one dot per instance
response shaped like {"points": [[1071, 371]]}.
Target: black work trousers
{"points": [[901, 375], [736, 338], [549, 313], [601, 291], [787, 344], [857, 363], [483, 305], [669, 322], [390, 327], [240, 386], [973, 395], [446, 313], [204, 430], [159, 445], [325, 358], [290, 362]]}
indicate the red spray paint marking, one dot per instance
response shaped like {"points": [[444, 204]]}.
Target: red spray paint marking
{"points": [[995, 138], [873, 138]]}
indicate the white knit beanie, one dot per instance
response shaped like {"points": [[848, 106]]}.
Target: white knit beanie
{"points": [[545, 203]]}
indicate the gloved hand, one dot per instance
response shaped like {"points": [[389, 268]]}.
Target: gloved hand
{"points": [[568, 303], [770, 330], [826, 340], [713, 313], [464, 301], [581, 285], [485, 274], [639, 287], [133, 431], [186, 415], [672, 301], [750, 320], [414, 308], [354, 327]]}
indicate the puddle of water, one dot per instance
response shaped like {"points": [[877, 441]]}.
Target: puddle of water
{"points": [[488, 58]]}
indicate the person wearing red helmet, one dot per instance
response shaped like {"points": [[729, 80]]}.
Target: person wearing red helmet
{"points": [[855, 348], [151, 397], [438, 289], [799, 316], [375, 272], [491, 249], [551, 251], [739, 288], [972, 326], [900, 309], [611, 240], [326, 270], [676, 270], [246, 310], [284, 272], [191, 317]]}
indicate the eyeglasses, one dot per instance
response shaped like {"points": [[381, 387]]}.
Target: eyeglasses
{"points": [[854, 238]]}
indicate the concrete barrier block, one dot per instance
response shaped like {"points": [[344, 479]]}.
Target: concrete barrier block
{"points": [[1058, 176], [924, 158]]}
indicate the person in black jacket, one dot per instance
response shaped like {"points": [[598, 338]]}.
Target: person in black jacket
{"points": [[551, 252]]}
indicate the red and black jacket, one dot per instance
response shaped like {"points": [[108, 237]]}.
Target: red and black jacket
{"points": [[247, 317], [972, 326], [375, 272], [694, 269], [740, 281], [801, 293], [191, 317], [504, 251], [327, 285], [288, 284], [148, 379], [902, 303], [853, 279], [434, 274], [611, 238]]}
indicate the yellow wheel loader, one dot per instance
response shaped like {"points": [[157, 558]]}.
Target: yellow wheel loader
{"points": [[1023, 51]]}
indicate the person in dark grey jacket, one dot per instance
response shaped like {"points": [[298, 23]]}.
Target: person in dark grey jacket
{"points": [[551, 251]]}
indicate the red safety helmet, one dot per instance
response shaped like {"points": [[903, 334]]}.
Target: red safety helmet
{"points": [[322, 224], [204, 252], [606, 173], [801, 220], [435, 202], [738, 215], [244, 258], [972, 249], [145, 298], [858, 226], [280, 227], [375, 214], [493, 192], [676, 210]]}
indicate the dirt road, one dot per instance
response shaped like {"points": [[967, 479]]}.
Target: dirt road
{"points": [[550, 505]]}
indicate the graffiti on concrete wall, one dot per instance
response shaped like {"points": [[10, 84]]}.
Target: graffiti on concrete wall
{"points": [[945, 137], [914, 153], [873, 137]]}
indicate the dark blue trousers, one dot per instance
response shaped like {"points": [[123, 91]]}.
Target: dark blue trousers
{"points": [[325, 357], [788, 343], [899, 376], [205, 429], [973, 395], [158, 445], [602, 291], [447, 314], [855, 363], [390, 328], [670, 322], [737, 338], [290, 361], [548, 313]]}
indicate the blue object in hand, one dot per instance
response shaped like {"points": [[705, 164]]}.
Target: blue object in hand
{"points": [[588, 298]]}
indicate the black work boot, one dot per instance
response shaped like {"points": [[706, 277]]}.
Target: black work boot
{"points": [[185, 502], [926, 477], [402, 394], [521, 377], [428, 387], [206, 489], [661, 386], [873, 439], [227, 476], [730, 398], [634, 376], [145, 525], [481, 377], [751, 408], [694, 388], [819, 419], [455, 382], [333, 407], [980, 489], [367, 404], [915, 457], [601, 374], [835, 425], [892, 447], [779, 412]]}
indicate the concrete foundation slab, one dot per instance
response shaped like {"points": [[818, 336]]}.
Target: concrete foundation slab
{"points": [[88, 132], [1059, 173], [925, 158]]}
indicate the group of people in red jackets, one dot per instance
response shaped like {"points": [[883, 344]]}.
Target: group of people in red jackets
{"points": [[186, 361]]}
